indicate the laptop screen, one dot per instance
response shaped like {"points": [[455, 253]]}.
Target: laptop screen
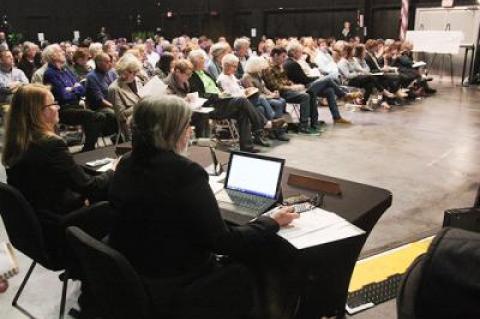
{"points": [[254, 174]]}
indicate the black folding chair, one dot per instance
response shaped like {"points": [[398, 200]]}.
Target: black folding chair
{"points": [[25, 232], [113, 282]]}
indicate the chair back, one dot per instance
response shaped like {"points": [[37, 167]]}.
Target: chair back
{"points": [[443, 283], [114, 283], [22, 224]]}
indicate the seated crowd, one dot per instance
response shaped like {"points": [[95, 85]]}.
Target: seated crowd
{"points": [[98, 85]]}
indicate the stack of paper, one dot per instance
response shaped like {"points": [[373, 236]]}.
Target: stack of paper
{"points": [[217, 182], [318, 227]]}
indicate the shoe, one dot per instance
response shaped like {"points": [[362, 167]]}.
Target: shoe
{"points": [[308, 131], [250, 149], [429, 90], [260, 141], [400, 94], [353, 95], [341, 120], [366, 108], [388, 94], [278, 123], [282, 136], [386, 106]]}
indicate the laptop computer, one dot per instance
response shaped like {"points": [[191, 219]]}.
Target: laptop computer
{"points": [[252, 184]]}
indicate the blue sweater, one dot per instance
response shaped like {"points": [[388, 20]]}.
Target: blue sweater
{"points": [[60, 79]]}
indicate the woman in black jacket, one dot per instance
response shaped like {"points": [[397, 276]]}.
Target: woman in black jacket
{"points": [[169, 225], [38, 162]]}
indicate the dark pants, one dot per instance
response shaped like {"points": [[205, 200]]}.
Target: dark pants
{"points": [[329, 89], [110, 125], [226, 291], [364, 82], [90, 121], [306, 110], [244, 113]]}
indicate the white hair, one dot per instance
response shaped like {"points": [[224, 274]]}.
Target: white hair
{"points": [[229, 59], [294, 46], [195, 54], [241, 43], [50, 51], [128, 62], [95, 48], [256, 64], [218, 49]]}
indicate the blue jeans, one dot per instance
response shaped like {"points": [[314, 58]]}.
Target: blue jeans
{"points": [[278, 106], [326, 87], [306, 109]]}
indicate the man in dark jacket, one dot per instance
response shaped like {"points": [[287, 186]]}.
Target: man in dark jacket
{"points": [[315, 86]]}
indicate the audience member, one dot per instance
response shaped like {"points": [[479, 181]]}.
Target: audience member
{"points": [[68, 92], [124, 93], [28, 63], [241, 48], [217, 52], [276, 80], [11, 78], [164, 65], [253, 78], [238, 108], [97, 83], [316, 87], [80, 66]]}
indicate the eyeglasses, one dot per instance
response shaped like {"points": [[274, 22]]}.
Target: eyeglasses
{"points": [[55, 103]]}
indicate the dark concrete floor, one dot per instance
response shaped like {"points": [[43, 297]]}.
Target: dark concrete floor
{"points": [[426, 153]]}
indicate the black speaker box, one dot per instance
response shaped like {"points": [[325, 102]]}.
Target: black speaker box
{"points": [[464, 218]]}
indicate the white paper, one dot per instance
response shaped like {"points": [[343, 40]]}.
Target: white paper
{"points": [[196, 103], [204, 110], [216, 182], [41, 37], [105, 167], [76, 35], [318, 227], [418, 64], [253, 32], [154, 87]]}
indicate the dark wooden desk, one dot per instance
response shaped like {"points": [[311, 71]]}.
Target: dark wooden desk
{"points": [[320, 275]]}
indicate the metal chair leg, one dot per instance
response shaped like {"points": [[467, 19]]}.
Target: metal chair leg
{"points": [[20, 290], [24, 283], [64, 295]]}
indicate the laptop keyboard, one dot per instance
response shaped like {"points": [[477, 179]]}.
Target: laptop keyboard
{"points": [[246, 200]]}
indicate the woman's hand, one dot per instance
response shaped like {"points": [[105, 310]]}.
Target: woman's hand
{"points": [[284, 215]]}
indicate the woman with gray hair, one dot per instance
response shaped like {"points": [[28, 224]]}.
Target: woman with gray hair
{"points": [[163, 200], [217, 52], [123, 93], [253, 78]]}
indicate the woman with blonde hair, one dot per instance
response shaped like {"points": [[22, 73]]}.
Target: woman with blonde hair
{"points": [[34, 154]]}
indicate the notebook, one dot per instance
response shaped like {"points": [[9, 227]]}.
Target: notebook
{"points": [[252, 184]]}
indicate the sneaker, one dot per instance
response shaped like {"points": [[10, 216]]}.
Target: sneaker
{"points": [[282, 136], [308, 131], [366, 108], [341, 120], [261, 141], [250, 149]]}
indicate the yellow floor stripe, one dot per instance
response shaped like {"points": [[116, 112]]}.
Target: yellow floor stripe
{"points": [[379, 267]]}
